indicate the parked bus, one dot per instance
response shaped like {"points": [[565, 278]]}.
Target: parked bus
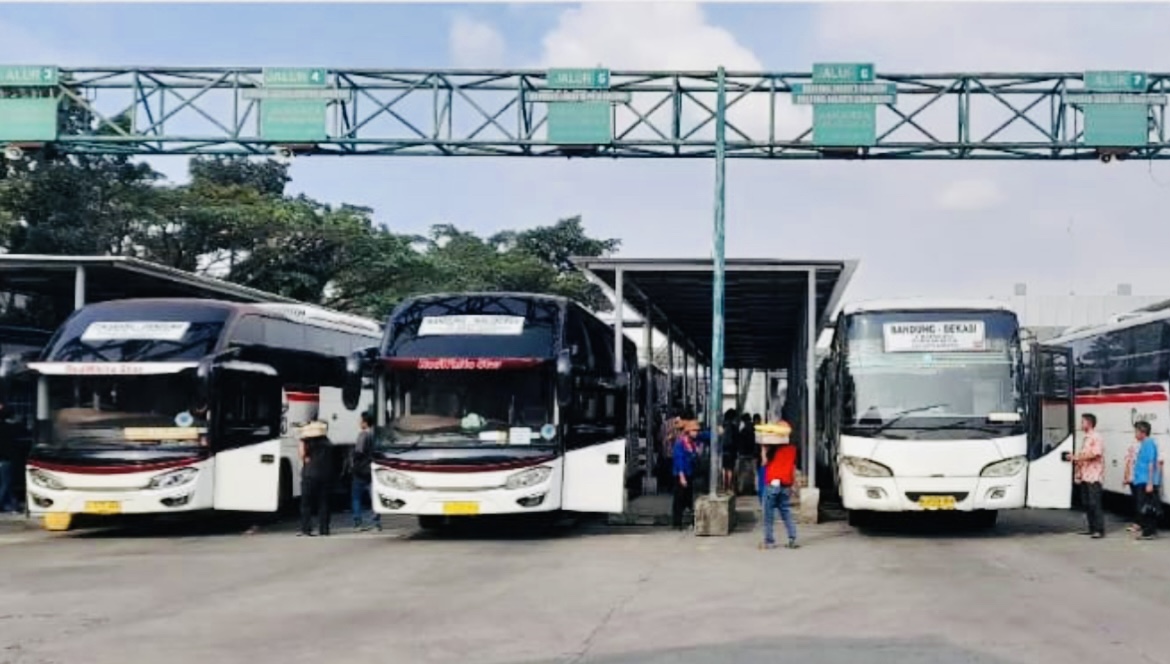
{"points": [[1122, 375], [925, 406], [499, 403], [159, 406]]}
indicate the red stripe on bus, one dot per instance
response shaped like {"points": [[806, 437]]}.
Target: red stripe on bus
{"points": [[121, 469], [1143, 397], [464, 468]]}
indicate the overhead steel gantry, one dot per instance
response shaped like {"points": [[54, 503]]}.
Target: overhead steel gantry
{"points": [[215, 111]]}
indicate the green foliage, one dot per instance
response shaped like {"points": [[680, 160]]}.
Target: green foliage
{"points": [[234, 219]]}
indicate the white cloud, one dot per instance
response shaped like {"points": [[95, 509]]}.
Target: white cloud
{"points": [[665, 36], [476, 44], [969, 196]]}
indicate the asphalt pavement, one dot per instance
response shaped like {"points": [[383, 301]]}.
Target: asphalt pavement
{"points": [[1030, 591]]}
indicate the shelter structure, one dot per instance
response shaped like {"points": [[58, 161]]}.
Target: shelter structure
{"points": [[774, 312]]}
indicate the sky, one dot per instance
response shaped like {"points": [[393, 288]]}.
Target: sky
{"points": [[927, 228]]}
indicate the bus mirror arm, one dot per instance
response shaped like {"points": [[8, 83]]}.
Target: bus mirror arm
{"points": [[351, 389], [564, 379]]}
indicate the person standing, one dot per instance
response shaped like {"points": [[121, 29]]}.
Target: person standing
{"points": [[8, 462], [730, 449], [1090, 472], [778, 458], [684, 454], [361, 462], [1146, 481], [316, 477]]}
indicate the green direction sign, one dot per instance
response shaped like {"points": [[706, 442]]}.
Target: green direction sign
{"points": [[844, 98], [28, 76], [28, 118], [579, 119], [293, 106], [1116, 107]]}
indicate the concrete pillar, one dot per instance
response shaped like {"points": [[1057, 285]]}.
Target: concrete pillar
{"points": [[619, 312]]}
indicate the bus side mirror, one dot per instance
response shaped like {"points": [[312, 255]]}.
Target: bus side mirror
{"points": [[564, 379], [204, 377], [351, 389]]}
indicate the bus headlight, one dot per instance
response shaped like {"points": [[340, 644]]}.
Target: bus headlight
{"points": [[395, 479], [1005, 468], [45, 480], [865, 467], [173, 479], [528, 477]]}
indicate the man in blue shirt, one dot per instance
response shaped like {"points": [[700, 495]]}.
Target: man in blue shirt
{"points": [[1147, 481], [684, 456]]}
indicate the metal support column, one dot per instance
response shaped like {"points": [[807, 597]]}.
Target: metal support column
{"points": [[669, 368], [716, 383], [810, 380], [648, 412], [618, 313], [78, 287]]}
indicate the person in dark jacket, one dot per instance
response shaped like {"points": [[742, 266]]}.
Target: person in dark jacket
{"points": [[685, 455], [729, 449], [316, 477], [361, 463]]}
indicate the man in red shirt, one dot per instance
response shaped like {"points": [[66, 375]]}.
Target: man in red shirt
{"points": [[778, 456]]}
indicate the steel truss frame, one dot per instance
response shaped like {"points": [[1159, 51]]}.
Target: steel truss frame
{"points": [[207, 110]]}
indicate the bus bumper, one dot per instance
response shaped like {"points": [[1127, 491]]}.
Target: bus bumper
{"points": [[918, 494], [126, 495], [473, 494]]}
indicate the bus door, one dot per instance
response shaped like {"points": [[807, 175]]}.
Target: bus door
{"points": [[246, 440], [1051, 427], [595, 478]]}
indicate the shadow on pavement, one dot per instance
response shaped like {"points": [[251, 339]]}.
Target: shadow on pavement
{"points": [[805, 650], [1013, 524]]}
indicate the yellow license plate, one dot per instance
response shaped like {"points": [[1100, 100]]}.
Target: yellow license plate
{"points": [[105, 507], [461, 509], [937, 502]]}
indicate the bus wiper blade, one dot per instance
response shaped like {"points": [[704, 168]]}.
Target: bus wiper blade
{"points": [[901, 415]]}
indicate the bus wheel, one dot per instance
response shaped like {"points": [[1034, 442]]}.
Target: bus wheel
{"points": [[285, 493], [430, 522], [985, 519], [858, 518]]}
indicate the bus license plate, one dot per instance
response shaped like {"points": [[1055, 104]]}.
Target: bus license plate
{"points": [[461, 509], [104, 507], [937, 502]]}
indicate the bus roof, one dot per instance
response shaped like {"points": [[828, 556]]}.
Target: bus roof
{"points": [[924, 304], [1118, 322], [496, 294], [295, 312]]}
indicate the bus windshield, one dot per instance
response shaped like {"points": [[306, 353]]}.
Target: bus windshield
{"points": [[470, 408], [125, 411], [932, 375]]}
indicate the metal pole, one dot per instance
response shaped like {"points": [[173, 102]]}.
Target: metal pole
{"points": [[648, 340], [810, 380], [716, 399], [669, 368], [78, 287], [619, 311]]}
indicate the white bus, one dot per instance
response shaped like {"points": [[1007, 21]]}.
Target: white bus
{"points": [[1122, 375], [178, 405], [499, 403], [926, 406]]}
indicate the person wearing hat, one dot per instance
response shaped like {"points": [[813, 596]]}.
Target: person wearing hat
{"points": [[316, 474], [778, 457], [684, 456]]}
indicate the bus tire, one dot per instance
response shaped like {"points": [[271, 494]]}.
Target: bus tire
{"points": [[285, 493], [857, 518], [985, 519]]}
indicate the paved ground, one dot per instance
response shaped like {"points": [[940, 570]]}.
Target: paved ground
{"points": [[1031, 591]]}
